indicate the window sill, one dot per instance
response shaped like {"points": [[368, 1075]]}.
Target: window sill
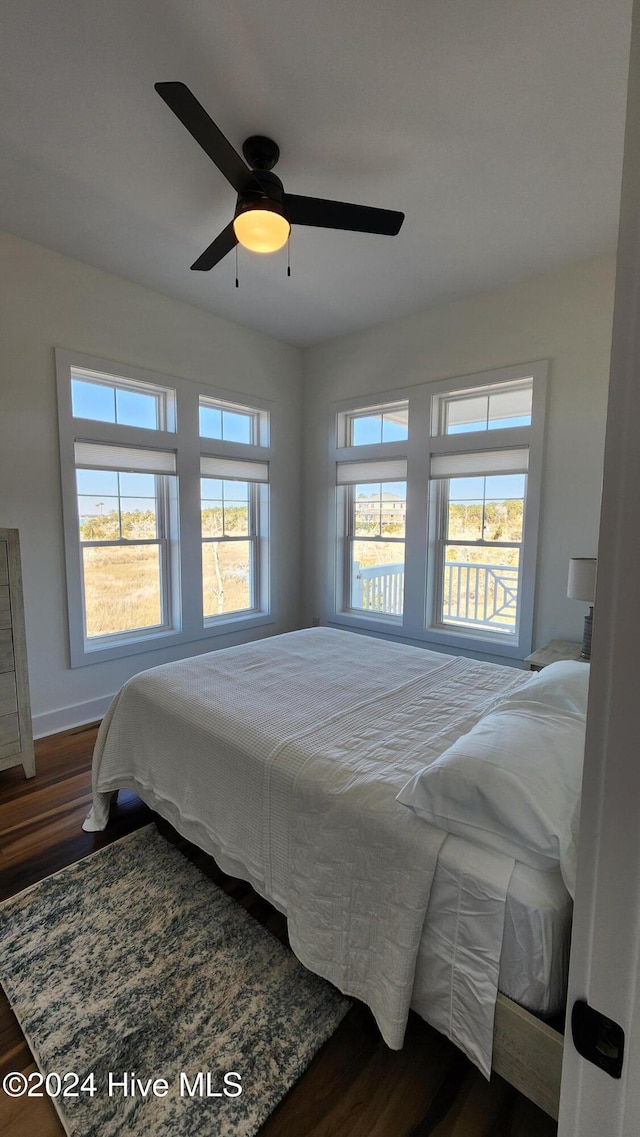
{"points": [[507, 647], [168, 639], [454, 643], [378, 623]]}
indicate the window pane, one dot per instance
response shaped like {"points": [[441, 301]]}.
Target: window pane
{"points": [[137, 485], [510, 407], [99, 518], [97, 483], [227, 514], [467, 414], [236, 518], [393, 509], [489, 509], [108, 402], [377, 576], [504, 508], [136, 409], [226, 577], [366, 522], [212, 517], [365, 429], [366, 499], [235, 491], [371, 426], [465, 520], [480, 587], [211, 488], [122, 589], [236, 427], [92, 400], [218, 421], [465, 513], [138, 518], [395, 425], [210, 422]]}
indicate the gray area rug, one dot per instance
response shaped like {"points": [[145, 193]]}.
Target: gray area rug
{"points": [[130, 966]]}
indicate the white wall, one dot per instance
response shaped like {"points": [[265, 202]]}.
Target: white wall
{"points": [[46, 301], [564, 316]]}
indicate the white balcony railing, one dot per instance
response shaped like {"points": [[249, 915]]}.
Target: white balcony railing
{"points": [[378, 588], [473, 595], [476, 595]]}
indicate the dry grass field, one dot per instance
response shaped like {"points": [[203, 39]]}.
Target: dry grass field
{"points": [[122, 585], [121, 588]]}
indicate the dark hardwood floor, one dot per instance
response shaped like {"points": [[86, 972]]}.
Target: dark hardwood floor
{"points": [[355, 1087]]}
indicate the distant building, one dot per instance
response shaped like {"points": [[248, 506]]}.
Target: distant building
{"points": [[388, 508]]}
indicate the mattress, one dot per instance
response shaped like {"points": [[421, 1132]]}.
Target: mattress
{"points": [[532, 963]]}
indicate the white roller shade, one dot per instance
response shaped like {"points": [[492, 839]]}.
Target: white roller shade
{"points": [[480, 462], [236, 469], [380, 470], [129, 459]]}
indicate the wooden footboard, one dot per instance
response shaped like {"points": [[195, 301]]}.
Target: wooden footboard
{"points": [[527, 1053]]}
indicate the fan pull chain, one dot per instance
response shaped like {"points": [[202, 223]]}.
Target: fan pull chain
{"points": [[289, 254], [236, 266]]}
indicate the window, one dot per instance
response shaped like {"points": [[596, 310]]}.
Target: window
{"points": [[386, 423], [480, 531], [124, 530], [228, 421], [144, 569], [492, 408], [437, 511], [230, 511], [375, 503], [113, 399]]}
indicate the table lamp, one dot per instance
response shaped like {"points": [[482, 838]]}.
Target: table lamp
{"points": [[582, 586]]}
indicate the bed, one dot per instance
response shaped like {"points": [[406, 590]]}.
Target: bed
{"points": [[300, 763]]}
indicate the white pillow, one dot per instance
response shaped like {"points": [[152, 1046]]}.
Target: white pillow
{"points": [[511, 784], [563, 685]]}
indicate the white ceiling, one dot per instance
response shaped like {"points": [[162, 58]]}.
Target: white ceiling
{"points": [[495, 125]]}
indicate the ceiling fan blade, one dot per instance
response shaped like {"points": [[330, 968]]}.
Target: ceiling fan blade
{"points": [[341, 215], [201, 126], [223, 244]]}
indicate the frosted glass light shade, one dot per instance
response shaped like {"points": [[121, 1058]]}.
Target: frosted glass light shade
{"points": [[261, 230], [582, 579]]}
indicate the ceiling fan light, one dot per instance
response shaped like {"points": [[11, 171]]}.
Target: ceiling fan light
{"points": [[261, 230]]}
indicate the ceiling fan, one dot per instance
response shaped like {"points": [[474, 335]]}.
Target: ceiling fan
{"points": [[264, 213]]}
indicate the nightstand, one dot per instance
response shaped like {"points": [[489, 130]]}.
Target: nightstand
{"points": [[551, 653]]}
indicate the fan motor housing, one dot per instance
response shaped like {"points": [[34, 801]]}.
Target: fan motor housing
{"points": [[260, 152], [273, 195]]}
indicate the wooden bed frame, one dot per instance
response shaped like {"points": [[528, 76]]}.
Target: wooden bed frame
{"points": [[527, 1053]]}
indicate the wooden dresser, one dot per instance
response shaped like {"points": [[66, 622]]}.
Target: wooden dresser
{"points": [[16, 732]]}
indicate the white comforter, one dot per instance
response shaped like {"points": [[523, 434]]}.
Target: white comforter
{"points": [[283, 758]]}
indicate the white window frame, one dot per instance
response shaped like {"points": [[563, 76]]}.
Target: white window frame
{"points": [[421, 567], [259, 429], [346, 419], [166, 526], [184, 603], [256, 474], [349, 475], [165, 395]]}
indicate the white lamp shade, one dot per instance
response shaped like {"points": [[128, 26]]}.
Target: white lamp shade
{"points": [[582, 579]]}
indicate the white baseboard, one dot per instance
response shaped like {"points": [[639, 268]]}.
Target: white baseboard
{"points": [[51, 722]]}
